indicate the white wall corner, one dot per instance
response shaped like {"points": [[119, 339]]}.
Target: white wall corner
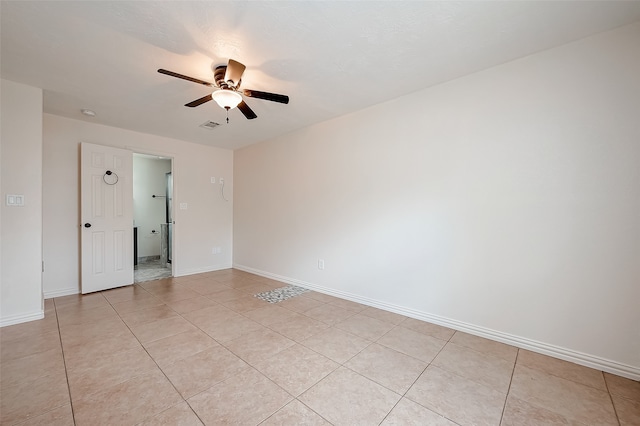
{"points": [[21, 242]]}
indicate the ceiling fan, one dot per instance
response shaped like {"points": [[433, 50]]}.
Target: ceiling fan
{"points": [[228, 94]]}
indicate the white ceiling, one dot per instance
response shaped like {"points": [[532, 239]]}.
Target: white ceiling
{"points": [[331, 58]]}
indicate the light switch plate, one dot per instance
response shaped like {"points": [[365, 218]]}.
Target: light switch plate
{"points": [[183, 206], [15, 200]]}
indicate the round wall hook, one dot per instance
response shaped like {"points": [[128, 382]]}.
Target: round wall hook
{"points": [[110, 178]]}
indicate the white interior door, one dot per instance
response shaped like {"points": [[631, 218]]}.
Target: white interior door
{"points": [[107, 217]]}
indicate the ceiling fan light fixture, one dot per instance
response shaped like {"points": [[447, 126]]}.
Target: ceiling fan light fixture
{"points": [[227, 99], [227, 96]]}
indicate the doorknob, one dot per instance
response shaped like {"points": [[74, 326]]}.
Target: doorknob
{"points": [[87, 225]]}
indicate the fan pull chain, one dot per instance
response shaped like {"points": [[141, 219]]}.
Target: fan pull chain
{"points": [[227, 108]]}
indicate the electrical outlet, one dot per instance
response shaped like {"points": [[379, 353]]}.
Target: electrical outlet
{"points": [[183, 206], [213, 180], [216, 250], [321, 264]]}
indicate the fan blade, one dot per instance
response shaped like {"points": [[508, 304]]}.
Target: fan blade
{"points": [[199, 101], [248, 112], [234, 72], [273, 97], [184, 77]]}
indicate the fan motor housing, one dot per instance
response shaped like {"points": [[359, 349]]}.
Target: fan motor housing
{"points": [[218, 75]]}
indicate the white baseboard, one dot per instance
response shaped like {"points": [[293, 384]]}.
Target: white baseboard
{"points": [[576, 357], [63, 292], [76, 290], [18, 319], [212, 268]]}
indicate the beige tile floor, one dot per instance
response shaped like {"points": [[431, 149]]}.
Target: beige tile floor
{"points": [[202, 350]]}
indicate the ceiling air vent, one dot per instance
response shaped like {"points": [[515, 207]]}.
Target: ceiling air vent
{"points": [[209, 125]]}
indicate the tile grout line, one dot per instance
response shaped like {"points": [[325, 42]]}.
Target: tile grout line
{"points": [[371, 342], [128, 327], [481, 353], [186, 400], [296, 398], [225, 347], [319, 415], [311, 349], [615, 411], [153, 359], [485, 354], [513, 372], [352, 314], [222, 345], [64, 362], [418, 378], [444, 346], [465, 378]]}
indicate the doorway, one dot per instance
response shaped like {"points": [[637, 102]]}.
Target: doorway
{"points": [[152, 217]]}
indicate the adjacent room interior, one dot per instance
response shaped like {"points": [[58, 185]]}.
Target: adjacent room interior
{"points": [[439, 225], [152, 217]]}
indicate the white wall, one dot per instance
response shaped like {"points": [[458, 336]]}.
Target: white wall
{"points": [[21, 227], [505, 203], [206, 223], [149, 178]]}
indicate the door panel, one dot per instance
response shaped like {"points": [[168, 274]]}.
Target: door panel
{"points": [[98, 252], [107, 209]]}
